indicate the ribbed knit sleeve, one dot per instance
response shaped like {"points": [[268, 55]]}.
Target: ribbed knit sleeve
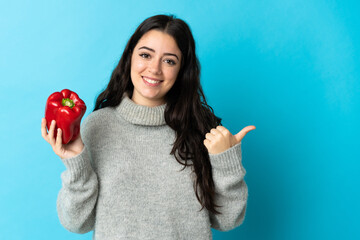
{"points": [[78, 195], [231, 189]]}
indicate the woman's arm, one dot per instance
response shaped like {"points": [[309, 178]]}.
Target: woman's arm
{"points": [[231, 189], [78, 195], [228, 175]]}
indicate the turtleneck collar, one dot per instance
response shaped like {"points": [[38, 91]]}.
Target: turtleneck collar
{"points": [[139, 114]]}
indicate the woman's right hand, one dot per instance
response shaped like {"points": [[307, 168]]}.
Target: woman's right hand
{"points": [[64, 151]]}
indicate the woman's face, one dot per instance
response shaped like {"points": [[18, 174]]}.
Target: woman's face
{"points": [[155, 64]]}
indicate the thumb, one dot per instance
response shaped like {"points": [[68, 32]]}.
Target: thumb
{"points": [[240, 135]]}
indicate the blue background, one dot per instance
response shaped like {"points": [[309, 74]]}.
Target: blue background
{"points": [[291, 68]]}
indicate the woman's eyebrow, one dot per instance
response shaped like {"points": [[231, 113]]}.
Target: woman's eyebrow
{"points": [[152, 50]]}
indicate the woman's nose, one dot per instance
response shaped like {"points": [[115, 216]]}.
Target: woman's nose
{"points": [[155, 66]]}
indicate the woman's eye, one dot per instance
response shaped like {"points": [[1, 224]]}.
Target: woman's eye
{"points": [[169, 61], [144, 55]]}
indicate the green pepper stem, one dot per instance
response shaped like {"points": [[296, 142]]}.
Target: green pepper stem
{"points": [[68, 102]]}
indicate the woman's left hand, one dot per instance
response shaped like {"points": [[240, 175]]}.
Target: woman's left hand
{"points": [[220, 139]]}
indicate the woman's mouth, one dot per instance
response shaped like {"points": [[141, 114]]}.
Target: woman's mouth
{"points": [[151, 82]]}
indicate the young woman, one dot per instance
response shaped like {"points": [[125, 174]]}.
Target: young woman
{"points": [[152, 161]]}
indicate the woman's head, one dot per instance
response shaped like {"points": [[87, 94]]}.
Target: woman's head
{"points": [[155, 64], [187, 75]]}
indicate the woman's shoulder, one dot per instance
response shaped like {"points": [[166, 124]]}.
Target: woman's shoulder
{"points": [[100, 114], [96, 124], [98, 118]]}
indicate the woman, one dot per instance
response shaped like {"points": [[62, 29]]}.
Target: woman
{"points": [[152, 161]]}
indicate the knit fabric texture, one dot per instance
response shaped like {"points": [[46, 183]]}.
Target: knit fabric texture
{"points": [[125, 184]]}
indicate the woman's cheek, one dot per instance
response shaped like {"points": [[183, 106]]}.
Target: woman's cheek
{"points": [[139, 66]]}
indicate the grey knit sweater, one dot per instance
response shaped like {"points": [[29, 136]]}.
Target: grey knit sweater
{"points": [[126, 185]]}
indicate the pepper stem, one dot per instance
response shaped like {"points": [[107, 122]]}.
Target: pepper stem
{"points": [[68, 102]]}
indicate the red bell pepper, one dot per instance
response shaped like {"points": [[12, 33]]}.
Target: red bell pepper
{"points": [[67, 109]]}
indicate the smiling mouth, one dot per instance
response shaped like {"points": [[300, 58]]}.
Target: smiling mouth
{"points": [[151, 81]]}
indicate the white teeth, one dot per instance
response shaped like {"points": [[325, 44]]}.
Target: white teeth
{"points": [[151, 81]]}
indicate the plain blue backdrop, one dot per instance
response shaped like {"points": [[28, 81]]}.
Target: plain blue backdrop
{"points": [[291, 68]]}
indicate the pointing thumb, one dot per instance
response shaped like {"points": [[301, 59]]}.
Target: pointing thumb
{"points": [[240, 135]]}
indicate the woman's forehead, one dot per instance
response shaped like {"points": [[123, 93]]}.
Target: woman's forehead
{"points": [[158, 41]]}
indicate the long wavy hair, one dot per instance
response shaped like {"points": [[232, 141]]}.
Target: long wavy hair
{"points": [[186, 112]]}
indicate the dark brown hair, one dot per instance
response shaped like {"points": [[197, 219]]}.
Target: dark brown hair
{"points": [[187, 111]]}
